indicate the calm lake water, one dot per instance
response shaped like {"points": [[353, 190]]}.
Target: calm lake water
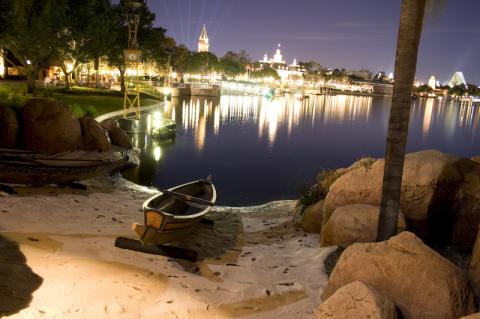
{"points": [[259, 150]]}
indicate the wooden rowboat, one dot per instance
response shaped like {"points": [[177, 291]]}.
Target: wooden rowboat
{"points": [[175, 211], [32, 168]]}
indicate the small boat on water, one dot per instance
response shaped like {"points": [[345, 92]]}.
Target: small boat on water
{"points": [[175, 211], [37, 169]]}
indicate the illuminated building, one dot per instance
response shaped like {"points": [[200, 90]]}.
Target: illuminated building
{"points": [[432, 82], [203, 44], [457, 79], [287, 73]]}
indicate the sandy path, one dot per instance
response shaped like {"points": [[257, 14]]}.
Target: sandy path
{"points": [[254, 263]]}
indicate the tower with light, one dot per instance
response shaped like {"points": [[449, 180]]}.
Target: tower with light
{"points": [[132, 56], [203, 45]]}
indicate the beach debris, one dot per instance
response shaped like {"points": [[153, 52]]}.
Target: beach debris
{"points": [[163, 250]]}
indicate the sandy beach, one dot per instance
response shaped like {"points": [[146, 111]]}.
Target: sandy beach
{"points": [[59, 261]]}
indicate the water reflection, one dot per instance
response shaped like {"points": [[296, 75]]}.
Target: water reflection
{"points": [[449, 115], [259, 150], [196, 113]]}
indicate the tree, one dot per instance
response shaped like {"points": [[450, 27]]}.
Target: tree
{"points": [[203, 62], [231, 63], [92, 28], [119, 36], [33, 34], [180, 58], [311, 67], [265, 73], [158, 48], [460, 90], [425, 88], [410, 29]]}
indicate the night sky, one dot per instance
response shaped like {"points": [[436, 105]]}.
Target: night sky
{"points": [[341, 33]]}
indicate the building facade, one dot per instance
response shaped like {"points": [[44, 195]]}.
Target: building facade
{"points": [[292, 72], [203, 42]]}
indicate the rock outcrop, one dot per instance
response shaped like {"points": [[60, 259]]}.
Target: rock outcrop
{"points": [[354, 223], [8, 127], [422, 283], [312, 218], [49, 126], [440, 196], [359, 301], [474, 316], [474, 268], [94, 135], [109, 124], [118, 137], [425, 174]]}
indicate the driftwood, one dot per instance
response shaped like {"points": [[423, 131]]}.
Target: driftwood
{"points": [[162, 250]]}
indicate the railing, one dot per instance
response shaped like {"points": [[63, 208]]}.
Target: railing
{"points": [[201, 86]]}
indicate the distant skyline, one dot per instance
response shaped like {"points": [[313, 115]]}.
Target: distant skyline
{"points": [[343, 33]]}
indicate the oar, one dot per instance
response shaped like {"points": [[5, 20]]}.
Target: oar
{"points": [[188, 198]]}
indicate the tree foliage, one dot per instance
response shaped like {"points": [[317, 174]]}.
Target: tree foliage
{"points": [[34, 33], [265, 73]]}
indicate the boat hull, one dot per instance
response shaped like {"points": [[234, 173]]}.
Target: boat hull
{"points": [[175, 212], [41, 169]]}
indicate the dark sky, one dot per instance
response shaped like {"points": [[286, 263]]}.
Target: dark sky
{"points": [[336, 33]]}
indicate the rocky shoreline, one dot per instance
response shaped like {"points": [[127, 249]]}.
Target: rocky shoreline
{"points": [[429, 269]]}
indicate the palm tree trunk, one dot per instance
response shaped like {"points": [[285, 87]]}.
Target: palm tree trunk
{"points": [[411, 22]]}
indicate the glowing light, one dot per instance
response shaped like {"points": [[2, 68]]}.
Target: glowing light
{"points": [[69, 67], [157, 153], [29, 62]]}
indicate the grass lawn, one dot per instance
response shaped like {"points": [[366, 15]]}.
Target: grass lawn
{"points": [[82, 101], [95, 105]]}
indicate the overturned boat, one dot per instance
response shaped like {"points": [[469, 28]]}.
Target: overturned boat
{"points": [[37, 169]]}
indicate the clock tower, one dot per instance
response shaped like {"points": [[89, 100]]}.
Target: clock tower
{"points": [[203, 44]]}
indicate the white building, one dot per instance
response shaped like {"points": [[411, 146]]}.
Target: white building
{"points": [[457, 79], [432, 82], [292, 72]]}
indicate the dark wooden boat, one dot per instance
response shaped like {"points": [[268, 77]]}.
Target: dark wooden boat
{"points": [[32, 168], [175, 211]]}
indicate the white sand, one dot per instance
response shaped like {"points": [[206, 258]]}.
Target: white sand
{"points": [[254, 263]]}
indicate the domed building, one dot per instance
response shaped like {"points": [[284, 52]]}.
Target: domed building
{"points": [[286, 72]]}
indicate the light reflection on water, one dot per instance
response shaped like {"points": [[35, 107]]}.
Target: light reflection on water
{"points": [[259, 150]]}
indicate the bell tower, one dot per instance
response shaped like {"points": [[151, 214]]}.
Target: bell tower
{"points": [[203, 44]]}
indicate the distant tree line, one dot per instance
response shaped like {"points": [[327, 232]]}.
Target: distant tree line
{"points": [[69, 33]]}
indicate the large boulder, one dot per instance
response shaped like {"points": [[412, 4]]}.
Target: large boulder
{"points": [[440, 195], [355, 223], [427, 175], [49, 126], [312, 220], [474, 268], [118, 137], [109, 124], [465, 210], [422, 283], [94, 136], [8, 127], [357, 300]]}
